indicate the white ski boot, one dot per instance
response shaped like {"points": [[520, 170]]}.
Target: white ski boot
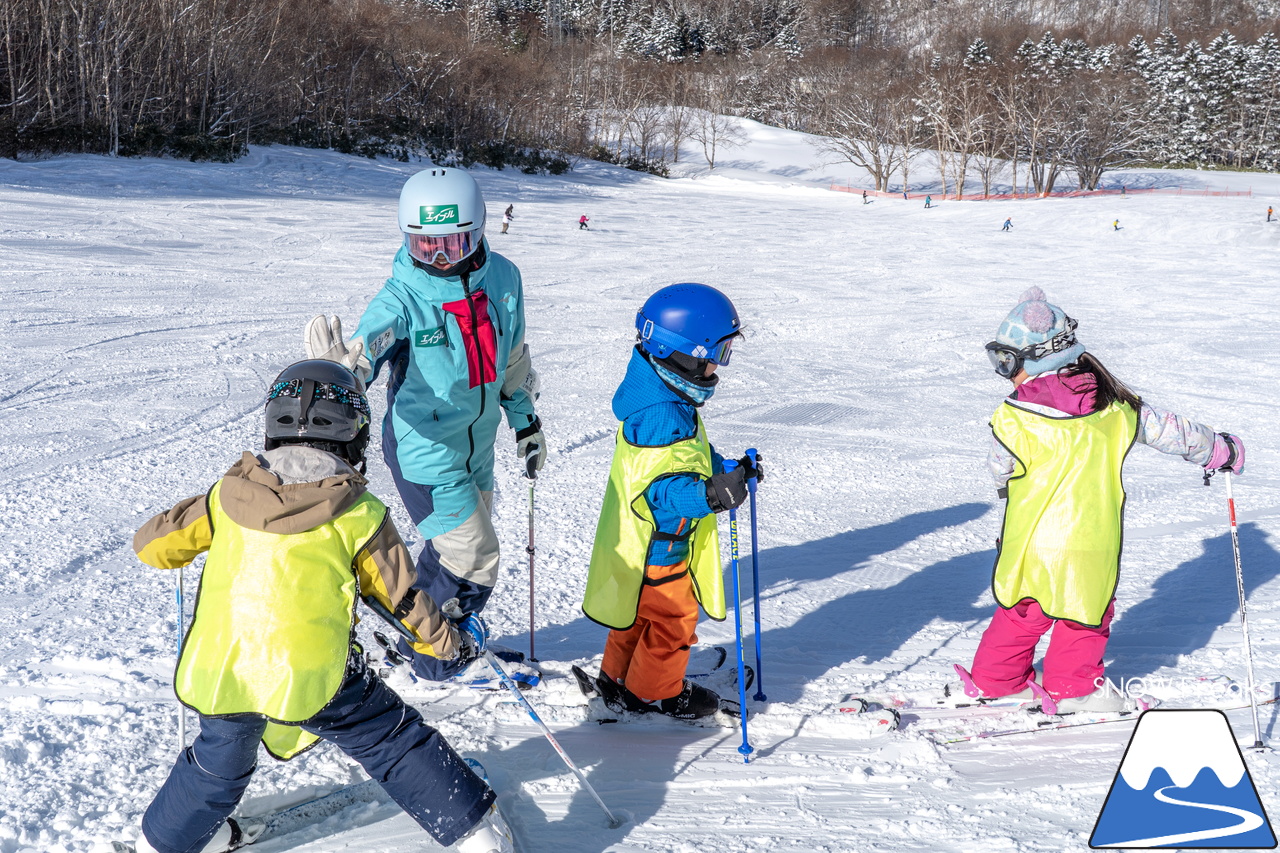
{"points": [[490, 835], [232, 835]]}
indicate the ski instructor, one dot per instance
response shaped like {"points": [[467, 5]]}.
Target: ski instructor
{"points": [[449, 327]]}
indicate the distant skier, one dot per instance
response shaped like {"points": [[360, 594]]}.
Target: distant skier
{"points": [[1008, 223], [1057, 447], [293, 536], [1268, 213], [1116, 225], [928, 201], [507, 216], [582, 223], [656, 556], [864, 199]]}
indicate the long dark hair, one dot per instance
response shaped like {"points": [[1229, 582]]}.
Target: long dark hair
{"points": [[1109, 389]]}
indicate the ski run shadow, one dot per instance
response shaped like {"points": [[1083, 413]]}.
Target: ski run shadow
{"points": [[871, 623], [1188, 605]]}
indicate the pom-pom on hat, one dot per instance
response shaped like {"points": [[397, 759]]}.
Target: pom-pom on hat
{"points": [[1035, 320]]}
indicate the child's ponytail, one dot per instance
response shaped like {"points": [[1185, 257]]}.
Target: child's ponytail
{"points": [[1109, 389]]}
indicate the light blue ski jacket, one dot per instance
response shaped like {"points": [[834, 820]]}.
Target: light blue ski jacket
{"points": [[449, 351]]}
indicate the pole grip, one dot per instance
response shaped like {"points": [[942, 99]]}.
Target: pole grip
{"points": [[390, 618]]}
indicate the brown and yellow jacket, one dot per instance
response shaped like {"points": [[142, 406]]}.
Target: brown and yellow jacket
{"points": [[293, 539]]}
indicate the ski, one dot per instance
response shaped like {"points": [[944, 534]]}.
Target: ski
{"points": [[1053, 723], [479, 770], [294, 818]]}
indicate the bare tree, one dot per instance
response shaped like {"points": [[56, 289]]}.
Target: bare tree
{"points": [[716, 132]]}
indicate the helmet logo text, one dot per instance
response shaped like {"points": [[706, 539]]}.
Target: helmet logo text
{"points": [[438, 214]]}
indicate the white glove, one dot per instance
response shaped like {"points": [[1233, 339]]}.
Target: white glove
{"points": [[531, 447], [324, 340]]}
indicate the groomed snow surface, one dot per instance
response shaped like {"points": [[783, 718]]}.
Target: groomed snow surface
{"points": [[146, 304]]}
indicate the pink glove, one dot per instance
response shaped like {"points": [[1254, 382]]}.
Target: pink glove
{"points": [[1228, 454]]}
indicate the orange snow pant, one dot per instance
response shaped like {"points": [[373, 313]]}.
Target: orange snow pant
{"points": [[651, 656]]}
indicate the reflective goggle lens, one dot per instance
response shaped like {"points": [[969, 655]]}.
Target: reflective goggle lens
{"points": [[720, 352], [1004, 360], [452, 247]]}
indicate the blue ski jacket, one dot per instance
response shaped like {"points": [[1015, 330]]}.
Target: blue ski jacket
{"points": [[654, 415], [449, 346]]}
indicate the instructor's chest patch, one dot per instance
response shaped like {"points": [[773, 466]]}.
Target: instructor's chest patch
{"points": [[431, 337]]}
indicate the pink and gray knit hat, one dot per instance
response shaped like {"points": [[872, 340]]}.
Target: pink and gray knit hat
{"points": [[1035, 321]]}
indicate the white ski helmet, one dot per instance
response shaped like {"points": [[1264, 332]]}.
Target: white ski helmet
{"points": [[442, 216]]}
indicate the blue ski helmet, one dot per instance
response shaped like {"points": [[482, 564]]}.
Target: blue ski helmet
{"points": [[688, 318]]}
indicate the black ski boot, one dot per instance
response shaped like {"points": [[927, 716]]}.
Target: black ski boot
{"points": [[693, 703]]}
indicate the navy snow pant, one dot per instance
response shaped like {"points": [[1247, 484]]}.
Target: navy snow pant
{"points": [[368, 721]]}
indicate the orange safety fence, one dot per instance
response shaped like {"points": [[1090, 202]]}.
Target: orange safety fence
{"points": [[1055, 194]]}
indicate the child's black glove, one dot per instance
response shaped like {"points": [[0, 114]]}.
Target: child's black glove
{"points": [[753, 469], [727, 490]]}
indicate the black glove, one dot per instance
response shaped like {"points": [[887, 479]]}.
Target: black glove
{"points": [[752, 469], [727, 490]]}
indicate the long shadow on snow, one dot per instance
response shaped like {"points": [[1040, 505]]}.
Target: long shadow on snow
{"points": [[1188, 604], [634, 789], [870, 624]]}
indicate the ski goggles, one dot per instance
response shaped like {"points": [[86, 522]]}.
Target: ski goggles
{"points": [[719, 352], [324, 391], [429, 248], [1007, 361]]}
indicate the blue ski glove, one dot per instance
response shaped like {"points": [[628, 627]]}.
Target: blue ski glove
{"points": [[473, 633], [473, 637]]}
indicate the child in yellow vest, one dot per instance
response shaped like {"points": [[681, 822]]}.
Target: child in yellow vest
{"points": [[657, 552], [1058, 444], [293, 537]]}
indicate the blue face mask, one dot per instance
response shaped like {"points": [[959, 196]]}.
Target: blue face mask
{"points": [[699, 394]]}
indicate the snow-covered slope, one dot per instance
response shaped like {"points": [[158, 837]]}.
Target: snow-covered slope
{"points": [[145, 305]]}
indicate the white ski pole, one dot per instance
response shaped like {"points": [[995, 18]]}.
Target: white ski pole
{"points": [[1244, 619], [182, 713], [451, 610]]}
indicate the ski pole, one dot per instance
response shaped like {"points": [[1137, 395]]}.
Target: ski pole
{"points": [[759, 696], [746, 748], [182, 714], [455, 613], [531, 473], [1244, 619]]}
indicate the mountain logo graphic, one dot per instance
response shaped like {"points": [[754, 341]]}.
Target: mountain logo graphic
{"points": [[1183, 783]]}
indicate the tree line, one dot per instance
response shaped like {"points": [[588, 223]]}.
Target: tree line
{"points": [[1031, 87]]}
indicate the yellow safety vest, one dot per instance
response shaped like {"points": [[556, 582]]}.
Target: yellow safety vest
{"points": [[1063, 519], [626, 529], [273, 622]]}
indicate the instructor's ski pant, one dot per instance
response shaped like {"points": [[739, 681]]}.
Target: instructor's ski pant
{"points": [[460, 563], [651, 656], [368, 721], [1072, 663]]}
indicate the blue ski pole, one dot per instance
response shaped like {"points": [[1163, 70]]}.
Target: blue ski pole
{"points": [[753, 455], [745, 749]]}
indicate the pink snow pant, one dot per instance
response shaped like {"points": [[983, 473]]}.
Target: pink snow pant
{"points": [[1072, 663]]}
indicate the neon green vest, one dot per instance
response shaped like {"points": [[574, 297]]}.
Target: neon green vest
{"points": [[1063, 520], [273, 622], [626, 528]]}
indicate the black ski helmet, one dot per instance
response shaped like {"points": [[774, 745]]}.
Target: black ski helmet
{"points": [[320, 404]]}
